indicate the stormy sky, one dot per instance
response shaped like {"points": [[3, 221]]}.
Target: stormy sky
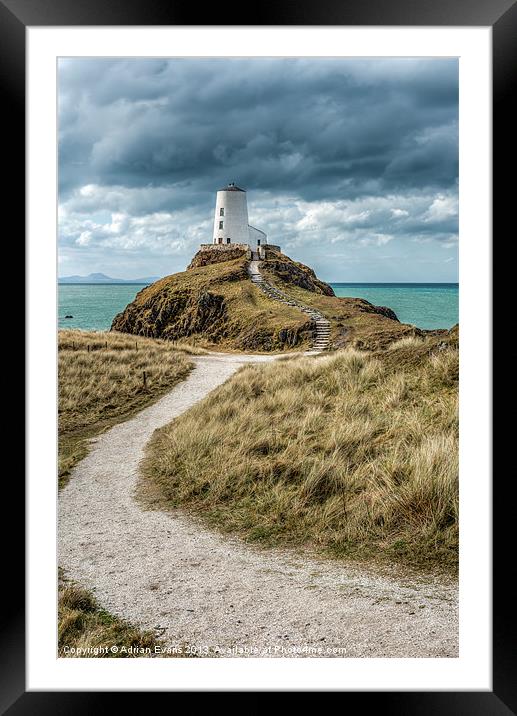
{"points": [[351, 165]]}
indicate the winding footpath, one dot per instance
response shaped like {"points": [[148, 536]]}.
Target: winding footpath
{"points": [[165, 572], [322, 337]]}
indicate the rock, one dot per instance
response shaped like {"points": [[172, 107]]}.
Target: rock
{"points": [[206, 258], [368, 307], [296, 274], [388, 312]]}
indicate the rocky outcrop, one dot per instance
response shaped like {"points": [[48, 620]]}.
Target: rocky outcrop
{"points": [[214, 304], [296, 274], [216, 254], [173, 315], [368, 307]]}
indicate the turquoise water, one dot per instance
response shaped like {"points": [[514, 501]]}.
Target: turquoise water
{"points": [[93, 306], [426, 305]]}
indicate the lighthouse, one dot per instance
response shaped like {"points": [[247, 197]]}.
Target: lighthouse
{"points": [[231, 225]]}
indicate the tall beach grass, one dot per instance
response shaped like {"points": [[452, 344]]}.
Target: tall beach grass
{"points": [[104, 378], [352, 453]]}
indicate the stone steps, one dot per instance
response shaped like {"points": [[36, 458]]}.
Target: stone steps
{"points": [[322, 338]]}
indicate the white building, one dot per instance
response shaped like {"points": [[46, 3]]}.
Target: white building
{"points": [[231, 219]]}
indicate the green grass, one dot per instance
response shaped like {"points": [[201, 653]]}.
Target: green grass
{"points": [[351, 453]]}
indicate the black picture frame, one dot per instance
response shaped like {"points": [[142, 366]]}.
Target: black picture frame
{"points": [[501, 15]]}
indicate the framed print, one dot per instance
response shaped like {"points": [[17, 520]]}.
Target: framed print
{"points": [[249, 249]]}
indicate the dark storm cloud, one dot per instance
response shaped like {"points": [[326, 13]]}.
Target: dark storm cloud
{"points": [[322, 128], [356, 152]]}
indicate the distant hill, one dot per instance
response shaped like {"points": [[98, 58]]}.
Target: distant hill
{"points": [[102, 278]]}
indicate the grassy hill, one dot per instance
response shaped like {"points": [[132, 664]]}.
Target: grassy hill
{"points": [[353, 453], [215, 304]]}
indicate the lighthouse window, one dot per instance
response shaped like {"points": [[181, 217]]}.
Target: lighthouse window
{"points": [[221, 224], [227, 241], [221, 211]]}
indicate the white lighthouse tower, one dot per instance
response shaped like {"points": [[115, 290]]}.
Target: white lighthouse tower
{"points": [[231, 219]]}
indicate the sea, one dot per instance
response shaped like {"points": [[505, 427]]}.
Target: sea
{"points": [[92, 307]]}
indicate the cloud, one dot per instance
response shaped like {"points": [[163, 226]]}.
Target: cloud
{"points": [[360, 152], [443, 208], [295, 223]]}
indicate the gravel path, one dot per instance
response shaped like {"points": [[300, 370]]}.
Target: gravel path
{"points": [[163, 571]]}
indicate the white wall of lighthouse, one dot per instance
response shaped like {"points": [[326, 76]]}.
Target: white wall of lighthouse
{"points": [[231, 217], [231, 224]]}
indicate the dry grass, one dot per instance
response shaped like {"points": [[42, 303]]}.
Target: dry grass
{"points": [[101, 382], [354, 454], [87, 631]]}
